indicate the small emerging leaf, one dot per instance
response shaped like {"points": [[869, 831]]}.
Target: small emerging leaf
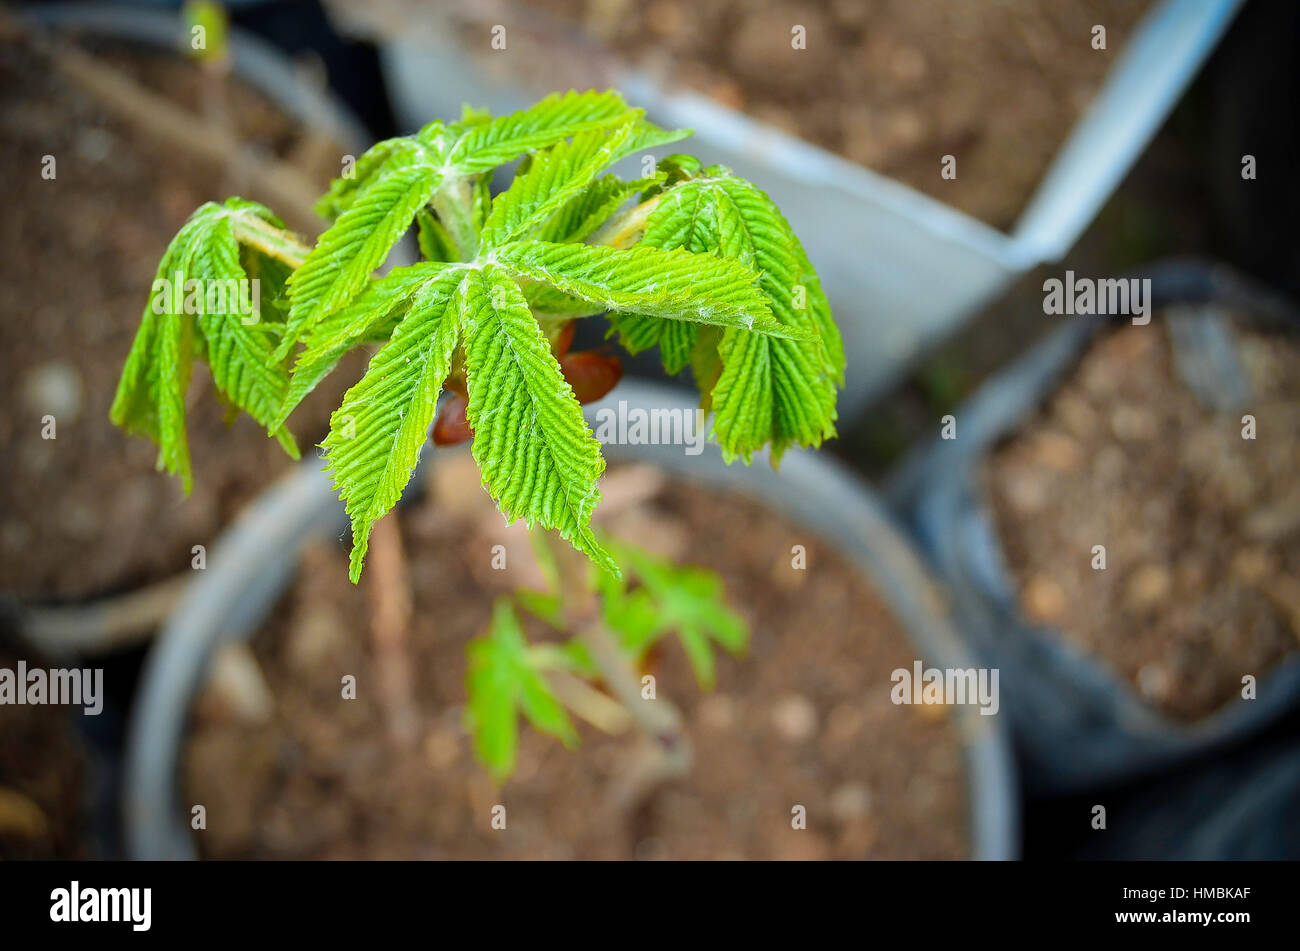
{"points": [[503, 682]]}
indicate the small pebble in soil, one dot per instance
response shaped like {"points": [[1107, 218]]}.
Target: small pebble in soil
{"points": [[1058, 451], [94, 144], [1044, 601], [1154, 681], [1133, 424], [1149, 586], [442, 748], [54, 388], [850, 801], [1252, 565], [717, 712], [795, 718], [1078, 415]]}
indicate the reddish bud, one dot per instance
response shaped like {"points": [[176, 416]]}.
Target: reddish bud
{"points": [[591, 374], [456, 383], [451, 425], [565, 339]]}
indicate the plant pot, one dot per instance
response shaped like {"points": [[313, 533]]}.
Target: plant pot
{"points": [[1079, 726], [255, 561], [907, 267], [63, 622], [90, 531]]}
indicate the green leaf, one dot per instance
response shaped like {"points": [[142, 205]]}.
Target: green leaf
{"points": [[538, 458], [381, 158], [687, 601], [580, 216], [674, 284], [486, 145], [501, 683], [769, 389], [632, 615], [205, 262], [561, 174], [238, 346], [376, 435], [820, 309], [344, 257], [683, 218], [383, 303], [150, 399], [258, 228], [435, 242]]}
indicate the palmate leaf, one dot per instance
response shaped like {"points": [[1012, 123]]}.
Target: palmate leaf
{"points": [[767, 389], [501, 683], [670, 599], [561, 174], [711, 282], [537, 456], [150, 399], [487, 145], [239, 346], [374, 313], [376, 435], [370, 167], [672, 284], [580, 216], [395, 179], [338, 267]]}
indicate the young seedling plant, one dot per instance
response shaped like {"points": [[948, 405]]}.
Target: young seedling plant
{"points": [[691, 259]]}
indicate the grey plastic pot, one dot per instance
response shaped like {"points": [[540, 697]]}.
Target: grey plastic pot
{"points": [[1077, 725], [255, 561]]}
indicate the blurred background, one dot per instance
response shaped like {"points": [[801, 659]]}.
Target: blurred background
{"points": [[1161, 147]]}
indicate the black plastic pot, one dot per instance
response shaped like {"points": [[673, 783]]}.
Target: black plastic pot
{"points": [[1077, 726], [252, 565]]}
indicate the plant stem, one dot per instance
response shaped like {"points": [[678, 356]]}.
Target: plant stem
{"points": [[665, 750], [390, 619], [270, 240], [586, 701]]}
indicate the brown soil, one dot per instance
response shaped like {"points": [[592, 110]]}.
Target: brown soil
{"points": [[42, 779], [892, 84], [805, 718], [85, 513], [1201, 527]]}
